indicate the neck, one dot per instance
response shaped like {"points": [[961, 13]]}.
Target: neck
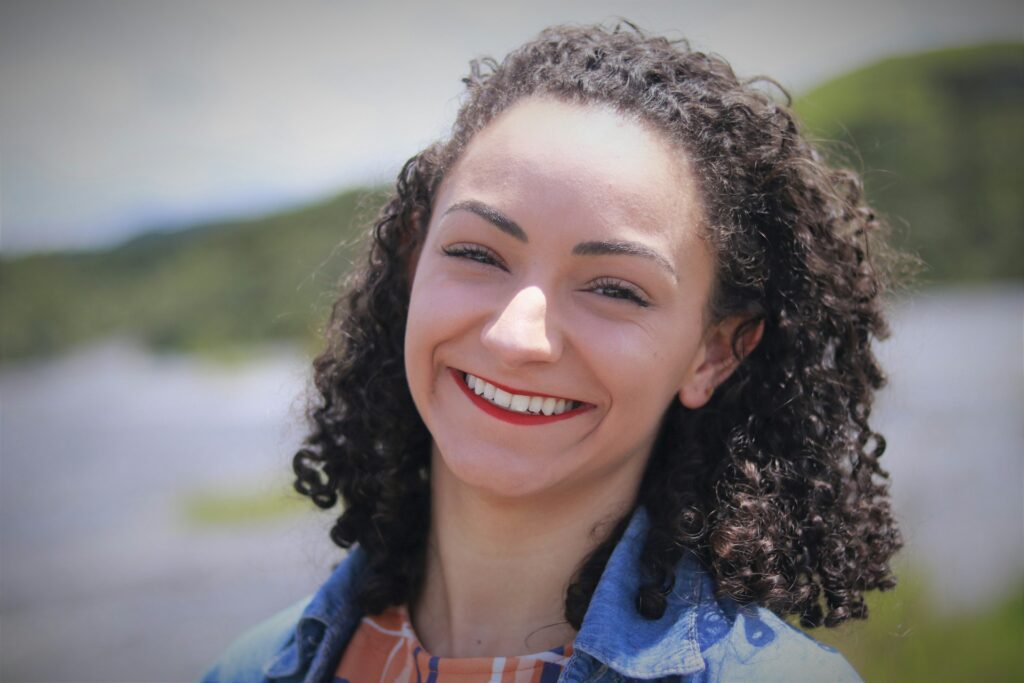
{"points": [[497, 569]]}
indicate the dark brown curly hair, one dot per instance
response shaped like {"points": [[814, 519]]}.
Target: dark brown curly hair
{"points": [[776, 482]]}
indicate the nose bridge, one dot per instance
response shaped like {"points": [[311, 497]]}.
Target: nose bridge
{"points": [[523, 330]]}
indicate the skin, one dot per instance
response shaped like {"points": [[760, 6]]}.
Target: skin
{"points": [[564, 257]]}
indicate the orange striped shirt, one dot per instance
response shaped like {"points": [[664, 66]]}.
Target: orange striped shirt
{"points": [[384, 649]]}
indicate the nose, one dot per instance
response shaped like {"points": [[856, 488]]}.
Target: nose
{"points": [[521, 331]]}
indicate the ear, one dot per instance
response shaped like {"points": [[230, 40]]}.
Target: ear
{"points": [[715, 360]]}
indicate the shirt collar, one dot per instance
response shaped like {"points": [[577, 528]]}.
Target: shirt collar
{"points": [[617, 635]]}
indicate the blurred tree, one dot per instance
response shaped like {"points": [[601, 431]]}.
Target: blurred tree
{"points": [[939, 138]]}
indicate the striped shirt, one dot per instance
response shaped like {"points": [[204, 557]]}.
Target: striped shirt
{"points": [[384, 649]]}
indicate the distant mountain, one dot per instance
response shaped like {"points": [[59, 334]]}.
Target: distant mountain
{"points": [[212, 287], [939, 138]]}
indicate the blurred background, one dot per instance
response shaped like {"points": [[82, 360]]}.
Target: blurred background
{"points": [[183, 184]]}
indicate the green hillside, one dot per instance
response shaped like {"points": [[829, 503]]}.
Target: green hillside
{"points": [[208, 288], [939, 138]]}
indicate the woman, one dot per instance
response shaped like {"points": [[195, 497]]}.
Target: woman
{"points": [[597, 404]]}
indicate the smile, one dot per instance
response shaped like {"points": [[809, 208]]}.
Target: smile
{"points": [[514, 406]]}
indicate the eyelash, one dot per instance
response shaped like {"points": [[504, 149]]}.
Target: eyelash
{"points": [[621, 290], [474, 253], [613, 289]]}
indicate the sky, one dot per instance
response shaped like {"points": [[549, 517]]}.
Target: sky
{"points": [[118, 117]]}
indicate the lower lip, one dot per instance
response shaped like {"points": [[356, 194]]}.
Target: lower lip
{"points": [[508, 415]]}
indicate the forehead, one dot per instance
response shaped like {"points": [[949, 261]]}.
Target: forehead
{"points": [[553, 160]]}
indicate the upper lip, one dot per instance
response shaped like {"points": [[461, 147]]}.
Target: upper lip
{"points": [[521, 392]]}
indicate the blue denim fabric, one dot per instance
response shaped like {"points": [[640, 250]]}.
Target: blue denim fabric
{"points": [[699, 639]]}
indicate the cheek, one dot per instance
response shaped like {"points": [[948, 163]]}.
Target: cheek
{"points": [[419, 338], [626, 351], [644, 366], [441, 311]]}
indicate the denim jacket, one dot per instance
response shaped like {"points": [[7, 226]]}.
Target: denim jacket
{"points": [[698, 639]]}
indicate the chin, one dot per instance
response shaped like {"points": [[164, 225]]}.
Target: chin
{"points": [[494, 474]]}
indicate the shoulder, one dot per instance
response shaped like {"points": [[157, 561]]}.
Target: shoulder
{"points": [[245, 660], [750, 643], [699, 636], [312, 632]]}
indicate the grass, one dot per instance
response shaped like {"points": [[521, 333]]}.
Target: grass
{"points": [[206, 509], [907, 639]]}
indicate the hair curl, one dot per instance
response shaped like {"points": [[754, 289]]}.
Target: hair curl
{"points": [[776, 482]]}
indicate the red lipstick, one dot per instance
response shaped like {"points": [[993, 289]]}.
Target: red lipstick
{"points": [[508, 415]]}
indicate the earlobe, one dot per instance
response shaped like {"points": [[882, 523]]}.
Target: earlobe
{"points": [[718, 358], [694, 395]]}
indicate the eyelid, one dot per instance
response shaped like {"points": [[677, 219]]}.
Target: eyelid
{"points": [[478, 253], [638, 295]]}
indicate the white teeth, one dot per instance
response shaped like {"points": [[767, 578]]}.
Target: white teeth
{"points": [[548, 405], [520, 403], [502, 398]]}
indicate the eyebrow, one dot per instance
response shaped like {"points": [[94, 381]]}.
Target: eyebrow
{"points": [[604, 247], [491, 215]]}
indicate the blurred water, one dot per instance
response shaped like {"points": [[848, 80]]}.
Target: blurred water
{"points": [[953, 417], [101, 577], [102, 580]]}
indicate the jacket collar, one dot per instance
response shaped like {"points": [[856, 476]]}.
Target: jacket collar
{"points": [[614, 633], [326, 625]]}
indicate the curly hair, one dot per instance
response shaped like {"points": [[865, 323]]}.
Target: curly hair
{"points": [[775, 483]]}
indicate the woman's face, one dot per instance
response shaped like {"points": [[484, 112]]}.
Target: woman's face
{"points": [[564, 270]]}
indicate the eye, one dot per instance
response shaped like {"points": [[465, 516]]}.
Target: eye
{"points": [[618, 289], [474, 252]]}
